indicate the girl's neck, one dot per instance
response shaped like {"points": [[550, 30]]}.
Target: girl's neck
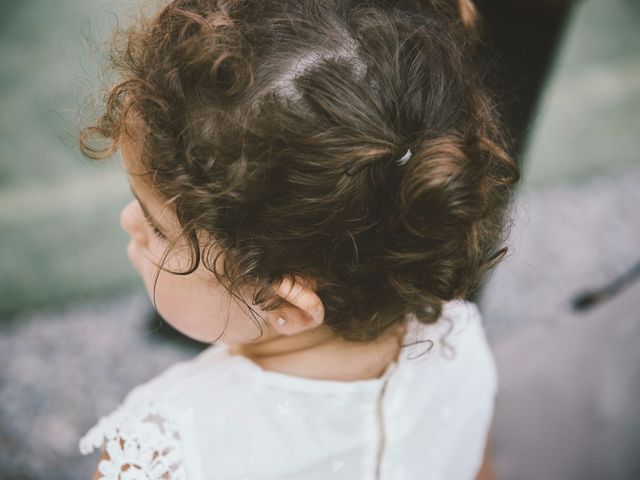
{"points": [[320, 354]]}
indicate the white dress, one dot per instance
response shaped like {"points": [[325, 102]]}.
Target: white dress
{"points": [[220, 416]]}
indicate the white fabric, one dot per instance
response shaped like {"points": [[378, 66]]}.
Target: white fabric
{"points": [[222, 417]]}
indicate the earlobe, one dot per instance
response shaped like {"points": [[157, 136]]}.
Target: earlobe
{"points": [[304, 310]]}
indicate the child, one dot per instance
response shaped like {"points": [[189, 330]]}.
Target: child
{"points": [[337, 169]]}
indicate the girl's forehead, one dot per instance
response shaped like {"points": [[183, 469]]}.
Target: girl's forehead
{"points": [[137, 174], [132, 140], [131, 153]]}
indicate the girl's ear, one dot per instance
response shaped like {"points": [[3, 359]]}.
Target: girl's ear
{"points": [[303, 311]]}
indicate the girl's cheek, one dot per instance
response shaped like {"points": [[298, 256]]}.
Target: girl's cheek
{"points": [[143, 266]]}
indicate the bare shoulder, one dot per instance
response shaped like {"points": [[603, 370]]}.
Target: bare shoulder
{"points": [[97, 475]]}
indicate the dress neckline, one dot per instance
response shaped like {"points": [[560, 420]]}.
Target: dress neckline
{"points": [[367, 387], [340, 387]]}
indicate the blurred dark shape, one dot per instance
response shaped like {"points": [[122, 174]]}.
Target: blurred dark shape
{"points": [[524, 34], [588, 299]]}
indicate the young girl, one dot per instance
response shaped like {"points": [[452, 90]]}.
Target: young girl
{"points": [[337, 169]]}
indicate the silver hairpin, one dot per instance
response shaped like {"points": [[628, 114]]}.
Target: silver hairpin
{"points": [[405, 158]]}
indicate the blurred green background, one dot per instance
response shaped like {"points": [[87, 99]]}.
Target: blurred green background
{"points": [[588, 114], [60, 240]]}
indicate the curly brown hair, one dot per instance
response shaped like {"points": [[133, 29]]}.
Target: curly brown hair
{"points": [[275, 127]]}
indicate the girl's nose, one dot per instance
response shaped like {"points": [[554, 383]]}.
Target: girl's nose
{"points": [[130, 221]]}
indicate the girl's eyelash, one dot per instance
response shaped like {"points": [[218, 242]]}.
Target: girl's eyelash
{"points": [[158, 233], [155, 230]]}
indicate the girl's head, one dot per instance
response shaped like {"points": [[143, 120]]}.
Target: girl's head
{"points": [[263, 137]]}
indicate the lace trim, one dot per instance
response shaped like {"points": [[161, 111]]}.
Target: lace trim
{"points": [[142, 443]]}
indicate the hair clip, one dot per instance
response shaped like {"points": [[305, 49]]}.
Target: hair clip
{"points": [[405, 158], [350, 170]]}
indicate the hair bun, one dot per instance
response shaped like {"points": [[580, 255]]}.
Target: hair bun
{"points": [[448, 223]]}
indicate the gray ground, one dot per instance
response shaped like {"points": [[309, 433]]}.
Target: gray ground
{"points": [[567, 406]]}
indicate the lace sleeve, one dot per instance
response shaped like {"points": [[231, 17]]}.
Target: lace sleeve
{"points": [[142, 442]]}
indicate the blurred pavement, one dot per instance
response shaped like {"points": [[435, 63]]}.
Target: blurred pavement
{"points": [[568, 405]]}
